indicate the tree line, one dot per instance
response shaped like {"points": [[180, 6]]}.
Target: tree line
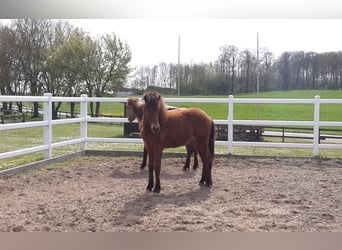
{"points": [[39, 56], [235, 71]]}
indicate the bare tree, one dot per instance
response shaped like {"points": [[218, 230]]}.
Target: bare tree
{"points": [[142, 77], [267, 72], [247, 65], [312, 70], [227, 62], [32, 46], [284, 70], [8, 60], [12, 78]]}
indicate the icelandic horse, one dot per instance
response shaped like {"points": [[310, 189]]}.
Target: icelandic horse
{"points": [[135, 111], [167, 129]]}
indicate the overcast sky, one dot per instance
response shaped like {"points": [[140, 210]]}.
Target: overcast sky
{"points": [[156, 40]]}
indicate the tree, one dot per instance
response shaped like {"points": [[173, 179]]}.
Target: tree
{"points": [[62, 72], [12, 80], [163, 76], [267, 74], [142, 77], [32, 46], [284, 70], [227, 63], [7, 50], [297, 62], [248, 68], [106, 66]]}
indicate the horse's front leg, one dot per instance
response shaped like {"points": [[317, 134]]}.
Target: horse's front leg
{"points": [[150, 171], [157, 166], [143, 164], [150, 179]]}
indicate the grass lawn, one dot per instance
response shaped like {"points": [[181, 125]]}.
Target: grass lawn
{"points": [[288, 112]]}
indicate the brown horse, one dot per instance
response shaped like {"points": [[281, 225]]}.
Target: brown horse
{"points": [[162, 129], [135, 111]]}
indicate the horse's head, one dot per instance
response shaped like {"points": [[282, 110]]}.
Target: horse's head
{"points": [[134, 108], [153, 108]]}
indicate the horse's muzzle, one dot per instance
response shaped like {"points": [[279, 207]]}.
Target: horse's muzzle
{"points": [[155, 130]]}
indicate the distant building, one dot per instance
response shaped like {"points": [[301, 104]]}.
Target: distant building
{"points": [[124, 93]]}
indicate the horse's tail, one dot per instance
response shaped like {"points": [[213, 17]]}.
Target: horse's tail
{"points": [[212, 139]]}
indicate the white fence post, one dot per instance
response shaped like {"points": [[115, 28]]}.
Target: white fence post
{"points": [[84, 123], [316, 126], [230, 123], [48, 128]]}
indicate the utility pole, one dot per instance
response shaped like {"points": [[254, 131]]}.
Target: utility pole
{"points": [[257, 107], [178, 69], [258, 63]]}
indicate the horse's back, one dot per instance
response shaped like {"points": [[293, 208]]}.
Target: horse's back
{"points": [[183, 125], [194, 116]]}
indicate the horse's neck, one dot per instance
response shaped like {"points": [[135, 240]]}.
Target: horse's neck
{"points": [[138, 110], [163, 114]]}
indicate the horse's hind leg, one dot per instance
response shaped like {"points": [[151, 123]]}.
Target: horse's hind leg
{"points": [[189, 150], [195, 166], [209, 181], [207, 166], [207, 160], [206, 175]]}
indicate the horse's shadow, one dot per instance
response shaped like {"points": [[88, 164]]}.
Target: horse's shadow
{"points": [[144, 205], [137, 173]]}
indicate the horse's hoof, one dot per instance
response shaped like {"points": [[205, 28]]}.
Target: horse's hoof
{"points": [[156, 190], [185, 168], [149, 189], [205, 184]]}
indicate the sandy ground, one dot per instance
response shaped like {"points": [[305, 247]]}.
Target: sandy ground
{"points": [[108, 194]]}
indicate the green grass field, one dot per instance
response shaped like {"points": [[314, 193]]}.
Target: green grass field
{"points": [[23, 138], [287, 112], [248, 111]]}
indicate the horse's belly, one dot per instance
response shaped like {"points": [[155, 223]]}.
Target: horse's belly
{"points": [[173, 141], [171, 144]]}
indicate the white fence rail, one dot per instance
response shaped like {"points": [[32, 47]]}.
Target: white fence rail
{"points": [[47, 123]]}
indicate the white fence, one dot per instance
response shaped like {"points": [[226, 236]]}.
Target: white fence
{"points": [[47, 145]]}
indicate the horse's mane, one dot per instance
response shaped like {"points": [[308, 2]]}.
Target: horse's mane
{"points": [[138, 107], [153, 98]]}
